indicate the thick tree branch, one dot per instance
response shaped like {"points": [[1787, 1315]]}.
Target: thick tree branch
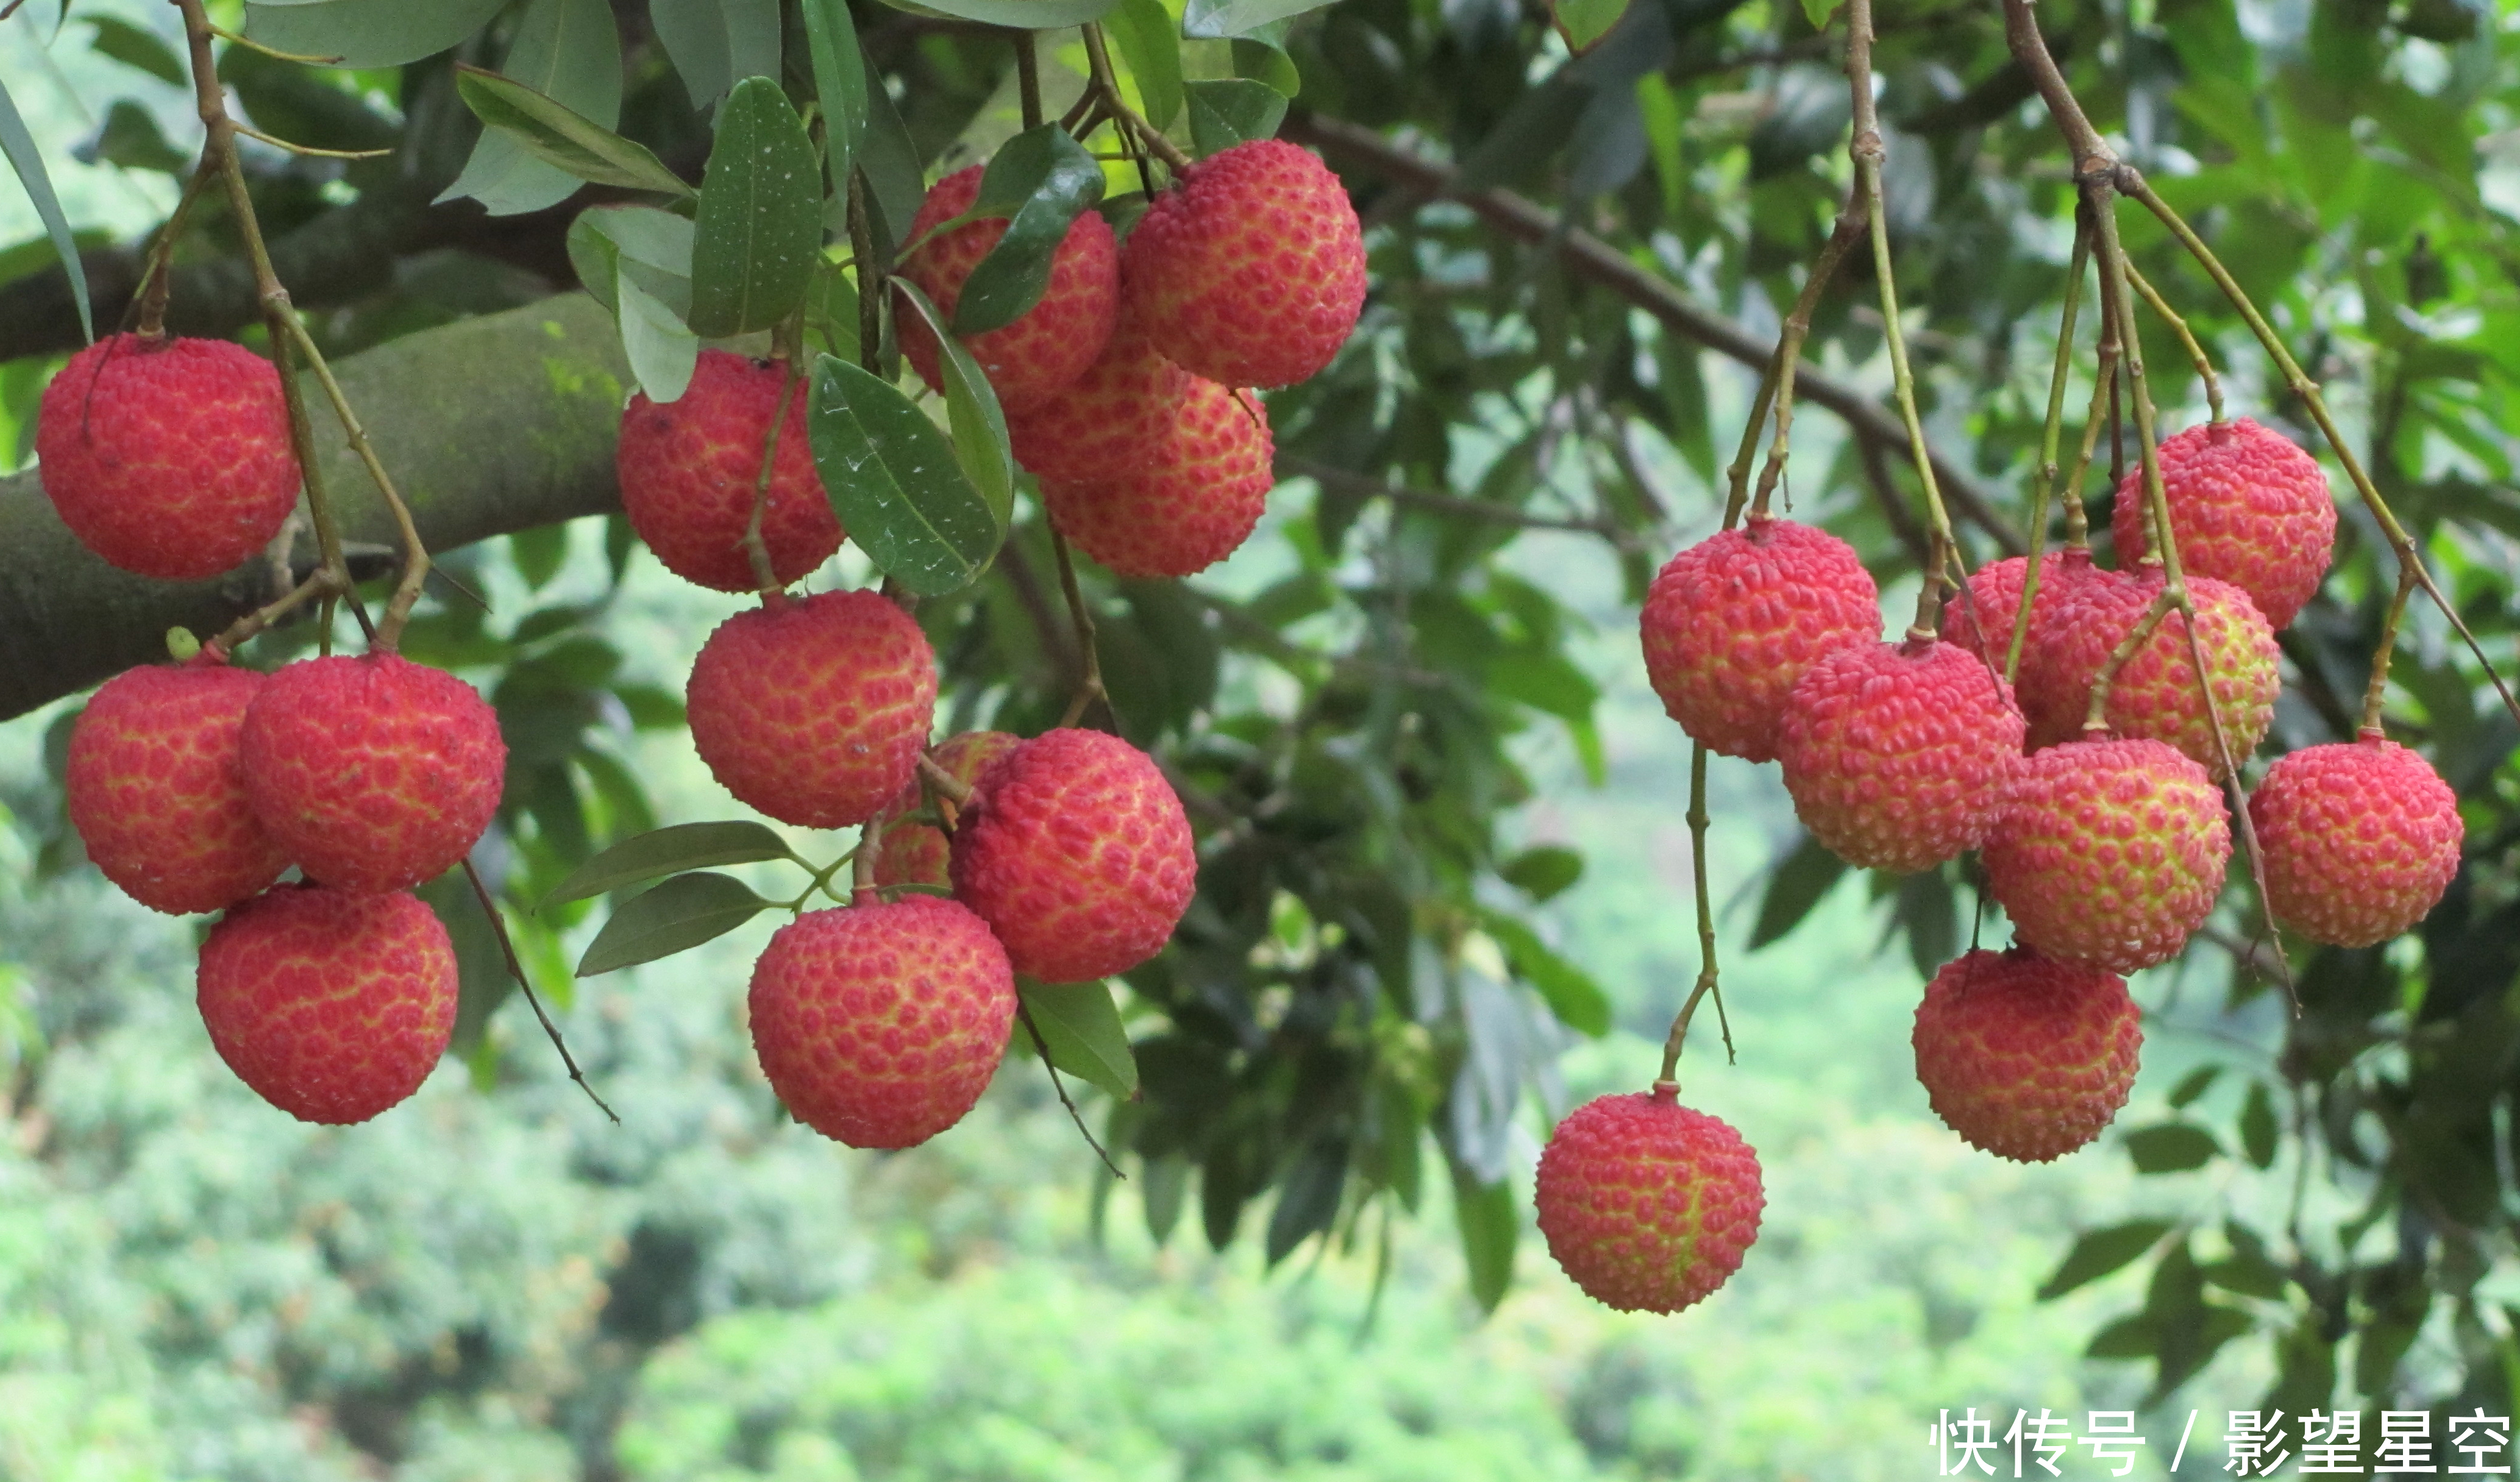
{"points": [[1596, 261], [498, 423]]}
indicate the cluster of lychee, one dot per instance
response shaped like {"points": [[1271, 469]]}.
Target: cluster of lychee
{"points": [[2105, 840], [1126, 390], [195, 785]]}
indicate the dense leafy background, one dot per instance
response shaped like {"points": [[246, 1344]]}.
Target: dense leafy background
{"points": [[1393, 713]]}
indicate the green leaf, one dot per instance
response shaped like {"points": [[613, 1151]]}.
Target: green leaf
{"points": [[972, 411], [652, 245], [1585, 21], [24, 158], [661, 349], [1150, 45], [840, 83], [668, 851], [2098, 1252], [137, 47], [1489, 1224], [1266, 62], [2128, 1337], [561, 135], [2257, 1117], [1818, 13], [1081, 1026], [1801, 879], [571, 52], [2194, 1083], [1231, 110], [713, 43], [1221, 18], [888, 158], [759, 231], [1543, 870], [1022, 15], [1040, 179], [1569, 991], [2171, 1147], [1308, 1198], [680, 914], [367, 33], [894, 484]]}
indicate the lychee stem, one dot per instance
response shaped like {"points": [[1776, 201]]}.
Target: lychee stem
{"points": [[1099, 62], [415, 556], [1027, 79], [318, 584], [516, 969], [2042, 482], [946, 784], [1088, 685], [2387, 650], [1041, 1047], [2186, 336], [1850, 219], [871, 274], [1706, 971], [765, 576], [158, 278]]}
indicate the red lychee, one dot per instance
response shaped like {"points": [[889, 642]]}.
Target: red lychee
{"points": [[2108, 853], [2248, 507], [690, 469], [1252, 272], [1050, 344], [814, 712], [1192, 502], [2155, 696], [331, 1005], [880, 1024], [1108, 423], [2359, 840], [2025, 1057], [915, 854], [156, 793], [1733, 620], [374, 773], [1076, 852], [168, 457], [1897, 754], [1982, 621], [1647, 1204]]}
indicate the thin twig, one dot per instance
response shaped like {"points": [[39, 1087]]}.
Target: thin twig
{"points": [[765, 576], [1089, 684], [1042, 1047], [308, 148], [2186, 336], [1850, 220], [517, 969]]}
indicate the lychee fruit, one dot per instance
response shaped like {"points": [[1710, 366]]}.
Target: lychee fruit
{"points": [[2107, 853], [2359, 840], [814, 710], [1049, 345], [331, 1005], [880, 1024], [1251, 273], [690, 467], [915, 854], [156, 793], [1103, 424], [1733, 621], [1194, 501], [1647, 1204], [2025, 1057], [1076, 852], [168, 457], [2155, 695], [374, 773], [1982, 620], [1897, 754], [2247, 506]]}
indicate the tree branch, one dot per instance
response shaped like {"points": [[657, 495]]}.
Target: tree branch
{"points": [[1596, 261], [506, 422]]}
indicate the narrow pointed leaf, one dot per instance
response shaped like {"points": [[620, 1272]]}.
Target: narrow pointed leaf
{"points": [[2171, 1147], [978, 424], [1231, 110], [893, 481], [1577, 1001], [840, 83], [2098, 1252], [135, 47], [759, 229], [368, 33], [1585, 21], [1032, 15], [654, 246], [677, 914], [668, 851], [715, 44], [888, 157], [561, 135], [1041, 179], [1490, 1224], [24, 158], [1081, 1026], [571, 52], [662, 351], [1150, 42]]}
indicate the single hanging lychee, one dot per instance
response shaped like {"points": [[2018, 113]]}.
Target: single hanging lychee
{"points": [[1049, 345], [331, 1005], [814, 710], [690, 470], [1108, 423], [2155, 695], [1897, 754], [1076, 852], [1251, 272], [915, 854], [880, 1024], [168, 457], [1733, 621], [2108, 853], [1194, 501], [1647, 1204], [374, 773], [2247, 506], [156, 791], [2359, 840], [2025, 1057]]}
